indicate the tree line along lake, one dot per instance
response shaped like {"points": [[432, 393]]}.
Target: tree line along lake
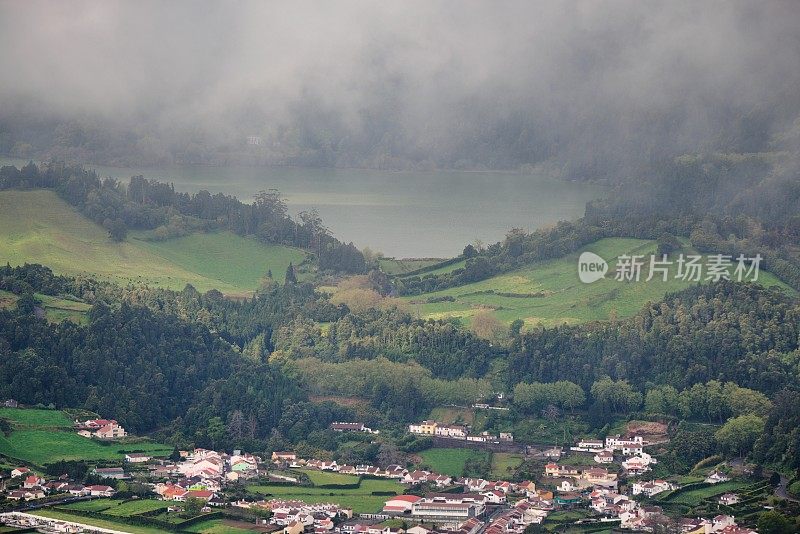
{"points": [[405, 214]]}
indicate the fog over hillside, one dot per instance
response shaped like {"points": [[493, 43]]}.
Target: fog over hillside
{"points": [[592, 88]]}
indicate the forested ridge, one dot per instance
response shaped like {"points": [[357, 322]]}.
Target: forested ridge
{"points": [[722, 204], [216, 371]]}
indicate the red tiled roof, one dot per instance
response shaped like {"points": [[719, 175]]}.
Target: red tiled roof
{"points": [[405, 498]]}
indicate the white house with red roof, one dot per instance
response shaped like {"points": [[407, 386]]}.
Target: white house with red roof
{"points": [[20, 471], [111, 431], [31, 481]]}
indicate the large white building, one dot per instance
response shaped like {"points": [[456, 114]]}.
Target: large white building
{"points": [[449, 506]]}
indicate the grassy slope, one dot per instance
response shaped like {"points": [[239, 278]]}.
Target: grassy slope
{"points": [[562, 297], [504, 464], [226, 257], [38, 227], [45, 436], [448, 461], [395, 266], [36, 418], [445, 269], [46, 446]]}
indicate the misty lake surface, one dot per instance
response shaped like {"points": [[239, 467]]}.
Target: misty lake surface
{"points": [[402, 214]]}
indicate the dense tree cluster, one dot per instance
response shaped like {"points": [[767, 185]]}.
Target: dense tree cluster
{"points": [[726, 331], [227, 373]]}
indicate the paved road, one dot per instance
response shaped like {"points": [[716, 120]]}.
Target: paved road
{"points": [[782, 490], [490, 517]]}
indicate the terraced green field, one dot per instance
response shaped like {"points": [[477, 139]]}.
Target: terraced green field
{"points": [[549, 293], [39, 227]]}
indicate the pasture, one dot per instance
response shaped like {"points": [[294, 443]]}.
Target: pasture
{"points": [[94, 505], [453, 415], [35, 418], [695, 496], [117, 508], [324, 478], [361, 499], [217, 526], [504, 464], [449, 461], [39, 227], [131, 508], [549, 292], [44, 446]]}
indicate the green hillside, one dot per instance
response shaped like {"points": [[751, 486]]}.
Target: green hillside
{"points": [[46, 436], [39, 227], [550, 292], [395, 266]]}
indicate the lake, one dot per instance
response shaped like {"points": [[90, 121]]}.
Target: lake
{"points": [[402, 214]]}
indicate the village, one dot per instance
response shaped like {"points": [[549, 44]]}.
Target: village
{"points": [[210, 481]]}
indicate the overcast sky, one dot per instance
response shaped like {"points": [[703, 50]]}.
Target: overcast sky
{"points": [[420, 66]]}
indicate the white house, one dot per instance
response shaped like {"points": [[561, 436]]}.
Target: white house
{"points": [[590, 444], [495, 497], [451, 431], [651, 487], [138, 458], [619, 442], [100, 491], [631, 450], [604, 457], [636, 465], [20, 471], [716, 477]]}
